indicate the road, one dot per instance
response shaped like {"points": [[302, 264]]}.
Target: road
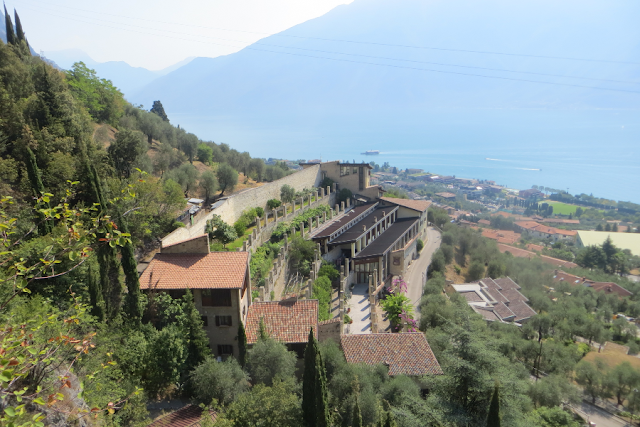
{"points": [[417, 271], [600, 417]]}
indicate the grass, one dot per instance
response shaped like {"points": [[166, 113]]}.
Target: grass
{"points": [[613, 359], [563, 208]]}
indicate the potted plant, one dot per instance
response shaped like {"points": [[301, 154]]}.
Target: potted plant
{"points": [[347, 319]]}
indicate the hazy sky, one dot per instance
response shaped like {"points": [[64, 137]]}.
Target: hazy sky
{"points": [[156, 34]]}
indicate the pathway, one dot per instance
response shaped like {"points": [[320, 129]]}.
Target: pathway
{"points": [[360, 310], [417, 271], [600, 417]]}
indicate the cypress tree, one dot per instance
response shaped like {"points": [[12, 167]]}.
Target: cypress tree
{"points": [[315, 409], [21, 40], [11, 35], [107, 257], [198, 342], [44, 226], [242, 345], [95, 295], [356, 421], [493, 418], [132, 307], [19, 33], [390, 420]]}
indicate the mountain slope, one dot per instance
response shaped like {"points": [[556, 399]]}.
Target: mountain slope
{"points": [[285, 74]]}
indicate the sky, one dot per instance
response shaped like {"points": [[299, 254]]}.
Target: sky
{"points": [[157, 34]]}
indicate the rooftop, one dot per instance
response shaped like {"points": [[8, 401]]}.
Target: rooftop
{"points": [[416, 205], [404, 353], [216, 270], [386, 240], [629, 241], [606, 287], [345, 219], [357, 230], [287, 321]]}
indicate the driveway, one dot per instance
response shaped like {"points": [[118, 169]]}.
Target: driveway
{"points": [[417, 271], [360, 310], [600, 417]]}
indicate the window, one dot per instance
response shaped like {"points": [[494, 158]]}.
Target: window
{"points": [[355, 171], [225, 350], [344, 170], [223, 321], [205, 320], [216, 297]]}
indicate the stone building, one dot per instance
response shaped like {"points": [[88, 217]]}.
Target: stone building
{"points": [[220, 283], [378, 236], [355, 177]]}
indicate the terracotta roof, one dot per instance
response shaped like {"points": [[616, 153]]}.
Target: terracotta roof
{"points": [[287, 321], [502, 236], [216, 270], [404, 353], [495, 294], [484, 221], [606, 287], [189, 416], [534, 226], [416, 205]]}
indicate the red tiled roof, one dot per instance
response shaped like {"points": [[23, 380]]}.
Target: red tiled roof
{"points": [[189, 416], [502, 236], [287, 321], [606, 287], [534, 226], [446, 195], [416, 205], [484, 222], [521, 253], [404, 353], [216, 270], [513, 295]]}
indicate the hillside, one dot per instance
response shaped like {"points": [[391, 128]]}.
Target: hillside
{"points": [[284, 73]]}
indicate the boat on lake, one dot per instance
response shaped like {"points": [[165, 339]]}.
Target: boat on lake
{"points": [[371, 152]]}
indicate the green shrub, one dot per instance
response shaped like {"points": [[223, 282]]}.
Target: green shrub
{"points": [[259, 212], [178, 224], [322, 292], [347, 318], [329, 271], [240, 226], [273, 203], [419, 245]]}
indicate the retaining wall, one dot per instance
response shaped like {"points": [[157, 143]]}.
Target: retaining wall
{"points": [[231, 208]]}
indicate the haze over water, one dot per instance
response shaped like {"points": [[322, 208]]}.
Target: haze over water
{"points": [[586, 151]]}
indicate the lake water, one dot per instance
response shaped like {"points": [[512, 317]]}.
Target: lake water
{"points": [[584, 151]]}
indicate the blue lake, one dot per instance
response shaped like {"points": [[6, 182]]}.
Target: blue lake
{"points": [[584, 151]]}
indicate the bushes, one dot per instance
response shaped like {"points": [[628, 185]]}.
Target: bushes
{"points": [[287, 193], [322, 292], [273, 203], [419, 245], [262, 261], [223, 381], [475, 271]]}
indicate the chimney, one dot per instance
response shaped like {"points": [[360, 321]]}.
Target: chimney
{"points": [[375, 219], [364, 227]]}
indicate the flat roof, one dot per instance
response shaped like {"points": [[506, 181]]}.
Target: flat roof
{"points": [[368, 221], [387, 239], [629, 241], [344, 220]]}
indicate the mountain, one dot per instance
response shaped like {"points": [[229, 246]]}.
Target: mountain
{"points": [[125, 77], [316, 72]]}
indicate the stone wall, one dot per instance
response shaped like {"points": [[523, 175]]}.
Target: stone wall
{"points": [[329, 330], [231, 208], [199, 245]]}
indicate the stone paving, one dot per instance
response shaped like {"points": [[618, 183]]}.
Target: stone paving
{"points": [[360, 310]]}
